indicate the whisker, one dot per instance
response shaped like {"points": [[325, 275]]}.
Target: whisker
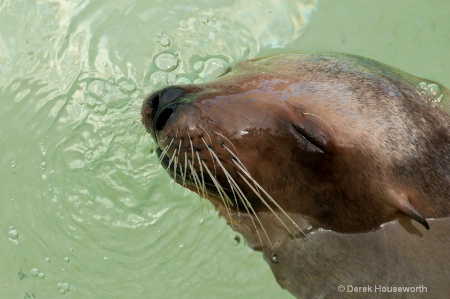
{"points": [[176, 161], [221, 135], [192, 148], [165, 150], [212, 159], [173, 157], [236, 159], [194, 176], [218, 186], [185, 168], [161, 157], [245, 202], [270, 199], [226, 201], [209, 137], [201, 173], [159, 143]]}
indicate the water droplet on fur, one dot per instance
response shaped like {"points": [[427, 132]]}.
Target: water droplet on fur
{"points": [[274, 258], [431, 93], [434, 93], [166, 62], [422, 88]]}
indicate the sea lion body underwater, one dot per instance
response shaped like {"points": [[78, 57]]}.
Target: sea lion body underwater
{"points": [[335, 166]]}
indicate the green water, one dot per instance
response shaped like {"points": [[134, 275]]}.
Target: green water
{"points": [[84, 213]]}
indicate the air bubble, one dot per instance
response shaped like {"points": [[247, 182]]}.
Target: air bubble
{"points": [[63, 287], [164, 41], [111, 80], [158, 79], [47, 260], [66, 259], [213, 69], [13, 234], [166, 62], [127, 86], [172, 78], [91, 102], [34, 272], [183, 81], [41, 275], [102, 109], [96, 86], [198, 66], [89, 155]]}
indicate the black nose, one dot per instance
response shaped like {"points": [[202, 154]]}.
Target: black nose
{"points": [[160, 105]]}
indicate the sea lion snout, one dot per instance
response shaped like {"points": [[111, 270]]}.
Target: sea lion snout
{"points": [[159, 107]]}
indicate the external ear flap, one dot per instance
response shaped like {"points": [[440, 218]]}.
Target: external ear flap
{"points": [[401, 202]]}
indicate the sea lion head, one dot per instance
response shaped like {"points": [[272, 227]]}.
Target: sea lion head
{"points": [[342, 141]]}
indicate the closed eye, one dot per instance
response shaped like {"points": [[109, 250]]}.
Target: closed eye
{"points": [[309, 139]]}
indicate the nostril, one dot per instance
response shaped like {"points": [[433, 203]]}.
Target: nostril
{"points": [[163, 117], [159, 107], [153, 103]]}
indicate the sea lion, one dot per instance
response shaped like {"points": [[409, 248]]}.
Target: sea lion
{"points": [[337, 167]]}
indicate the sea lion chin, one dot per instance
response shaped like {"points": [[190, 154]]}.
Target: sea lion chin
{"points": [[292, 146]]}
